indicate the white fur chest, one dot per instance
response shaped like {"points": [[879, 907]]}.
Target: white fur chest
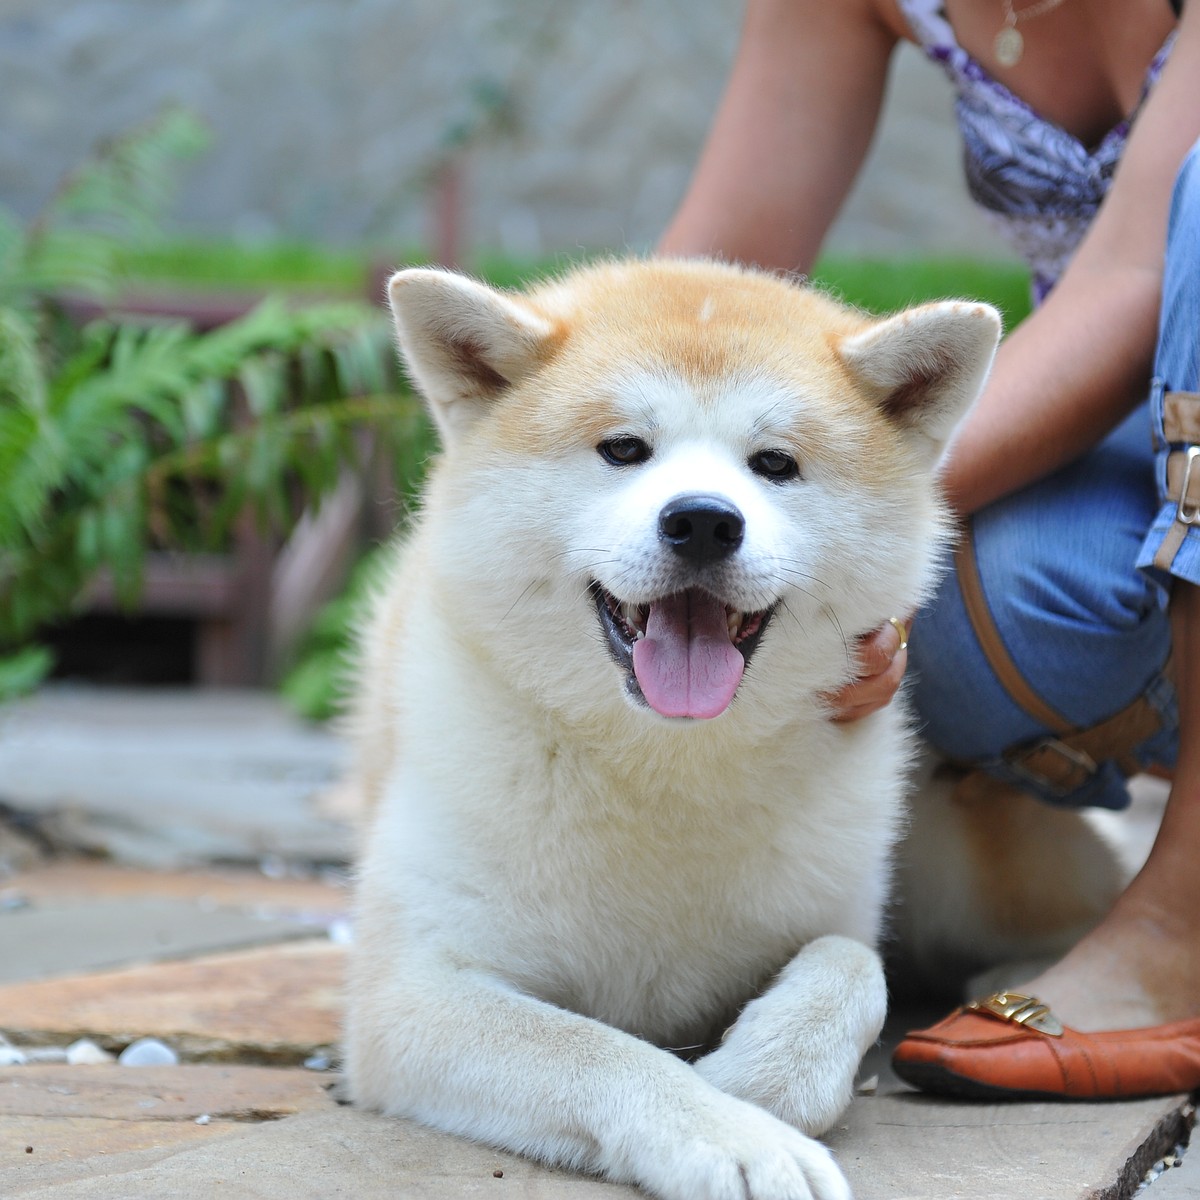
{"points": [[656, 886]]}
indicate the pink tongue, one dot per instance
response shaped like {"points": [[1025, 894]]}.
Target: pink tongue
{"points": [[686, 665]]}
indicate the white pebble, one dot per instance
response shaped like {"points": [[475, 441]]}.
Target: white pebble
{"points": [[203, 1119], [341, 932], [10, 1056], [148, 1052], [85, 1052], [317, 1062]]}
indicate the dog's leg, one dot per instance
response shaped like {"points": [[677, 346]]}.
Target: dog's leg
{"points": [[796, 1049], [469, 1054]]}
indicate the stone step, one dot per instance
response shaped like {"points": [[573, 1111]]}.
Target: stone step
{"points": [[279, 1004]]}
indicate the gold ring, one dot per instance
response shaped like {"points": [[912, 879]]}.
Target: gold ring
{"points": [[902, 630]]}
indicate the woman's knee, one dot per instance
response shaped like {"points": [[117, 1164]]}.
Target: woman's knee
{"points": [[1078, 625]]}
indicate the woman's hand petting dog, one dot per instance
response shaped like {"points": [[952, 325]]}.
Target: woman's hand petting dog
{"points": [[882, 658]]}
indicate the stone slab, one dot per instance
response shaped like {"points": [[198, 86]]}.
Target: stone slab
{"points": [[890, 1149], [324, 895], [905, 1146], [71, 917], [49, 1149], [280, 1004], [319, 1155], [89, 1128], [180, 1093], [61, 939], [63, 1123], [163, 777]]}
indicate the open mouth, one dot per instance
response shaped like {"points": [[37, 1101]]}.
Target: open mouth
{"points": [[685, 653]]}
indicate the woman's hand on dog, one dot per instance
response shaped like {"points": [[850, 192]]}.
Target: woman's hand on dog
{"points": [[882, 658]]}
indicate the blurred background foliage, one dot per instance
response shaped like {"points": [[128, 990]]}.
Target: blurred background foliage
{"points": [[121, 434]]}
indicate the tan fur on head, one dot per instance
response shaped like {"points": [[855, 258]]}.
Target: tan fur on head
{"points": [[467, 344]]}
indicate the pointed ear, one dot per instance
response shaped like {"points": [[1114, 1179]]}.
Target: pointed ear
{"points": [[926, 365], [464, 343]]}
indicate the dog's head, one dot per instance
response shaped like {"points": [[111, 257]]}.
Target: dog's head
{"points": [[711, 462]]}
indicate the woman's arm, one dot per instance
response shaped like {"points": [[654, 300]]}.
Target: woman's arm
{"points": [[790, 134], [1079, 364]]}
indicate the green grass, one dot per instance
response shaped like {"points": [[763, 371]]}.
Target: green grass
{"points": [[877, 285], [887, 285], [257, 266]]}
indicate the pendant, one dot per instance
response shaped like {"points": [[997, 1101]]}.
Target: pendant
{"points": [[1009, 46]]}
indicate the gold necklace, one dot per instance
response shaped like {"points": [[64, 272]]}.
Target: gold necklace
{"points": [[1008, 44]]}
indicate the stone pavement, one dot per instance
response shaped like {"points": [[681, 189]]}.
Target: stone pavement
{"points": [[170, 868]]}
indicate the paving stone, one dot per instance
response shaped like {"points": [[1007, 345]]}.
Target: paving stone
{"points": [[275, 1005], [178, 1093], [895, 1145], [1032, 1152], [905, 1146], [87, 1121], [58, 939], [248, 890], [77, 916], [319, 1155], [56, 1146], [162, 777]]}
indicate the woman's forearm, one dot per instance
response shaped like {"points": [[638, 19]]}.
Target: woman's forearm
{"points": [[789, 136], [1062, 380]]}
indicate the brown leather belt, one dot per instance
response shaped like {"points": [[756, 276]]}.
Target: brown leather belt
{"points": [[1070, 756]]}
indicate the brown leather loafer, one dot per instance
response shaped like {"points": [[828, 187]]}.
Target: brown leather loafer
{"points": [[1012, 1047]]}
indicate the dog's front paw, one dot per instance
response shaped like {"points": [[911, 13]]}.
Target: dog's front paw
{"points": [[740, 1152], [795, 1050]]}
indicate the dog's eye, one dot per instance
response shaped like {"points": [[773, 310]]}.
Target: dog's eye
{"points": [[776, 465], [624, 451]]}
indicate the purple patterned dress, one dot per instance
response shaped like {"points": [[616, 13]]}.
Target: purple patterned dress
{"points": [[1040, 185]]}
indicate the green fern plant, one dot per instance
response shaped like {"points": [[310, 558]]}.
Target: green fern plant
{"points": [[125, 436]]}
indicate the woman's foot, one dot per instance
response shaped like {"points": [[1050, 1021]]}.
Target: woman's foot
{"points": [[1139, 967], [1116, 1018]]}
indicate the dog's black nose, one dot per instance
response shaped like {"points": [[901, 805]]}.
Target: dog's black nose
{"points": [[701, 528]]}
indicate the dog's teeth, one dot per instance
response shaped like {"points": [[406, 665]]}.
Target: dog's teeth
{"points": [[733, 621]]}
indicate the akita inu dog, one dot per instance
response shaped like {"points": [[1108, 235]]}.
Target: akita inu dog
{"points": [[624, 877]]}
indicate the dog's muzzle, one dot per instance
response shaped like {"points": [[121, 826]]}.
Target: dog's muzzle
{"points": [[685, 651]]}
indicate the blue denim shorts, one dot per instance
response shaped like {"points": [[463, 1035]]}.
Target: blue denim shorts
{"points": [[1067, 569]]}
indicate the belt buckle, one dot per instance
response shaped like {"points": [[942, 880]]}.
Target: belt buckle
{"points": [[1187, 514], [1077, 758]]}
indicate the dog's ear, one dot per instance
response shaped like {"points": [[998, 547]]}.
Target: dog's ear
{"points": [[927, 365], [464, 343]]}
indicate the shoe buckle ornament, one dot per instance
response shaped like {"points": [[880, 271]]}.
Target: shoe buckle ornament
{"points": [[1020, 1010]]}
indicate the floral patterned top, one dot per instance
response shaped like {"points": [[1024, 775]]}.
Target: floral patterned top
{"points": [[1040, 184]]}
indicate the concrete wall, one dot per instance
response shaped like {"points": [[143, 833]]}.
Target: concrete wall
{"points": [[576, 122]]}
